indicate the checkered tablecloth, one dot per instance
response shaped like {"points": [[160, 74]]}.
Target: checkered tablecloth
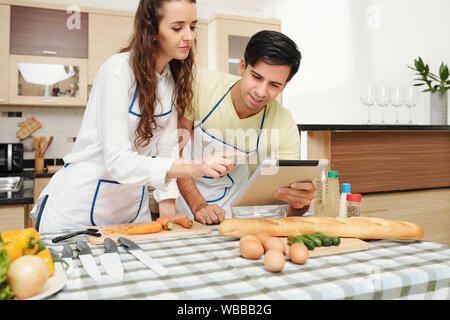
{"points": [[210, 267]]}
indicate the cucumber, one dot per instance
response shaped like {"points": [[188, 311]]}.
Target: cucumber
{"points": [[335, 241], [308, 243], [316, 240], [326, 241], [294, 239]]}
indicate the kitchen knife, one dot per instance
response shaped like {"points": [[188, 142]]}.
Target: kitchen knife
{"points": [[110, 260], [135, 250], [67, 256], [87, 260], [58, 265]]}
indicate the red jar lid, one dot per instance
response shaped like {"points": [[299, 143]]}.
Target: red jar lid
{"points": [[356, 197]]}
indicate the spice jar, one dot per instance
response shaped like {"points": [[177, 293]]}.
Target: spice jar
{"points": [[353, 205]]}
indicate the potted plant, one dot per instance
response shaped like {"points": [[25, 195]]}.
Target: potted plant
{"points": [[437, 86]]}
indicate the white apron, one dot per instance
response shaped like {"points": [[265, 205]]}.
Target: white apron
{"points": [[222, 191], [84, 194]]}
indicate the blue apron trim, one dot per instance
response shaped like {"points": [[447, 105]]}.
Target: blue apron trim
{"points": [[215, 107], [41, 210], [140, 205], [132, 103], [224, 193], [95, 198], [156, 115]]}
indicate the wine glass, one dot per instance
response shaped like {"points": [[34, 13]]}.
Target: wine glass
{"points": [[411, 99], [383, 99], [398, 98], [368, 98]]}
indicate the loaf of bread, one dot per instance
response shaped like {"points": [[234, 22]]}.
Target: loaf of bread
{"points": [[354, 227]]}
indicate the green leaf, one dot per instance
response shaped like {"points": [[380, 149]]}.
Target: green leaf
{"points": [[428, 90], [421, 64], [443, 72], [418, 84]]}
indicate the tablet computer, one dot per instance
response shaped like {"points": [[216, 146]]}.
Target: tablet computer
{"points": [[272, 175]]}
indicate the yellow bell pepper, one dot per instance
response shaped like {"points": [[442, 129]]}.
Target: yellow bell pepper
{"points": [[13, 249], [8, 236], [47, 257], [29, 240]]}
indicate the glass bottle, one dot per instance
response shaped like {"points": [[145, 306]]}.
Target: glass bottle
{"points": [[333, 195], [354, 205], [321, 189]]}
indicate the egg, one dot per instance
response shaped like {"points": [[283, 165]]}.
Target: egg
{"points": [[298, 253], [275, 244], [251, 249], [248, 237], [262, 236], [274, 260]]}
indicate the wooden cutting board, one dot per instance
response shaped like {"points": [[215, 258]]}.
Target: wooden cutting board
{"points": [[177, 231], [346, 245]]}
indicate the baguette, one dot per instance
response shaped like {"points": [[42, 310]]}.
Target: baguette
{"points": [[354, 227]]}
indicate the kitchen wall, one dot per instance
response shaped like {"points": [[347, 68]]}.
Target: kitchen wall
{"points": [[349, 43], [344, 43]]}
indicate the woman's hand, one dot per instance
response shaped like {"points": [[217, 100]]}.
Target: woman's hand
{"points": [[216, 165]]}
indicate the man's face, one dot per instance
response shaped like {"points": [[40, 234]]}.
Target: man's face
{"points": [[261, 84]]}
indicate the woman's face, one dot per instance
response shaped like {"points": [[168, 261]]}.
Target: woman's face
{"points": [[177, 29]]}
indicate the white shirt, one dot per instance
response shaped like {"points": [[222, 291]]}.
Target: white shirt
{"points": [[109, 125]]}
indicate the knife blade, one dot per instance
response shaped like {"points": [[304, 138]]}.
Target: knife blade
{"points": [[67, 256], [135, 250], [110, 259], [87, 260]]}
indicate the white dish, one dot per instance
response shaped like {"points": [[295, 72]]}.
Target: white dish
{"points": [[53, 285]]}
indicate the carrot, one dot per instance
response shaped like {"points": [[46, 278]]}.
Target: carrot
{"points": [[150, 227], [184, 222], [166, 223]]}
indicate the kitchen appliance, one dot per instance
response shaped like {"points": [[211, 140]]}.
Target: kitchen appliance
{"points": [[11, 157]]}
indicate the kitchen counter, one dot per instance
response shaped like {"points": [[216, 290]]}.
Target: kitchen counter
{"points": [[209, 267], [383, 158], [22, 197], [369, 127]]}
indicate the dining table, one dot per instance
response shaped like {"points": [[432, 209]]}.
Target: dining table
{"points": [[210, 267]]}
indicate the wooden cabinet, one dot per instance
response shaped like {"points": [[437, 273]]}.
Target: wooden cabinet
{"points": [[44, 32], [4, 52], [227, 37], [26, 86], [13, 217], [382, 161], [201, 50], [107, 35]]}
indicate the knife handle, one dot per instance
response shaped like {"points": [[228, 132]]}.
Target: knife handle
{"points": [[127, 244], [67, 251], [110, 246], [83, 247]]}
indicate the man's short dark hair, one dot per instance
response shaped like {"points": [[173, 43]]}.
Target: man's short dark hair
{"points": [[274, 48]]}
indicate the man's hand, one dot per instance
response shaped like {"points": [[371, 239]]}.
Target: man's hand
{"points": [[210, 214], [298, 196]]}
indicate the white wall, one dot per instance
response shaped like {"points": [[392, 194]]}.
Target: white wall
{"points": [[343, 43], [345, 46]]}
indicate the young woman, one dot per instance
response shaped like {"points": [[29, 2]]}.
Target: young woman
{"points": [[128, 137]]}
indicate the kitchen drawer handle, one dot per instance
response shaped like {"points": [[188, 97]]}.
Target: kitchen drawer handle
{"points": [[49, 101], [49, 52]]}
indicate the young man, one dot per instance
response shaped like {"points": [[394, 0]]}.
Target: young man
{"points": [[240, 113]]}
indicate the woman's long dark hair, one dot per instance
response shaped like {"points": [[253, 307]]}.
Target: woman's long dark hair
{"points": [[143, 53]]}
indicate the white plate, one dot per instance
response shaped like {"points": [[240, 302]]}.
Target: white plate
{"points": [[53, 285]]}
